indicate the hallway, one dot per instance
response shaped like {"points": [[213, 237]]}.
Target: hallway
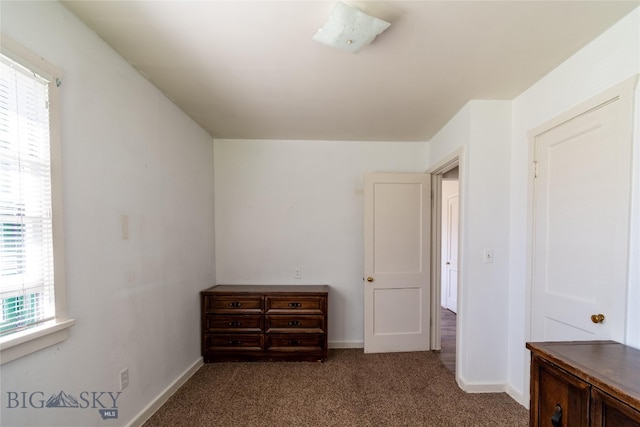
{"points": [[447, 354]]}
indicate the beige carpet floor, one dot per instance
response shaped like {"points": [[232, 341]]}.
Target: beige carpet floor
{"points": [[350, 389]]}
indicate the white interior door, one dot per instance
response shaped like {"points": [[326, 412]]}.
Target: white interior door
{"points": [[581, 202], [450, 245], [396, 265]]}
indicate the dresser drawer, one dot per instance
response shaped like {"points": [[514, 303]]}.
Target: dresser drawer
{"points": [[292, 324], [223, 323], [607, 411], [232, 304], [295, 342], [234, 342], [295, 304], [557, 387]]}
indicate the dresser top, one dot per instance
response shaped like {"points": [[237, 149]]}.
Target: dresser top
{"points": [[261, 289], [610, 366]]}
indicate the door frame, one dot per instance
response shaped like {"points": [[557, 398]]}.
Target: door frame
{"points": [[449, 162]]}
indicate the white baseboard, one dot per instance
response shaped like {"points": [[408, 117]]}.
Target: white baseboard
{"points": [[346, 344], [156, 403], [482, 387], [494, 388], [518, 396]]}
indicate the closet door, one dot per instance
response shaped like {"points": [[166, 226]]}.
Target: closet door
{"points": [[581, 204]]}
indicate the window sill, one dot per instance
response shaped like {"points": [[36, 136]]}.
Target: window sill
{"points": [[31, 340]]}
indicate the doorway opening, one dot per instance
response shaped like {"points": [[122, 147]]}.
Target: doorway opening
{"points": [[444, 261], [449, 267]]}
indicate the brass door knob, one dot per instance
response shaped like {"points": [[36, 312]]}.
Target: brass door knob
{"points": [[369, 279], [597, 318]]}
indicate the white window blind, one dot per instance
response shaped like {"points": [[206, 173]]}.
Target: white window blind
{"points": [[26, 243]]}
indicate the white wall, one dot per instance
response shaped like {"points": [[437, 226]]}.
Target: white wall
{"points": [[282, 205], [611, 58], [127, 150], [481, 131]]}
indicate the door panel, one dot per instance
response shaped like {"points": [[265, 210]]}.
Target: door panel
{"points": [[450, 245], [397, 215], [581, 226], [397, 242], [405, 321]]}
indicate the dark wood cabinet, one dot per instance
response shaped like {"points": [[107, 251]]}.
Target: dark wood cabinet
{"points": [[264, 322], [584, 383]]}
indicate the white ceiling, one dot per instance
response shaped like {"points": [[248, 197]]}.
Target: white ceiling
{"points": [[249, 69]]}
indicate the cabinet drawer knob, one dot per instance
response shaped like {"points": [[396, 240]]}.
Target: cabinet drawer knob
{"points": [[235, 324], [294, 323], [295, 304], [235, 342], [294, 342], [235, 304], [597, 318], [556, 419]]}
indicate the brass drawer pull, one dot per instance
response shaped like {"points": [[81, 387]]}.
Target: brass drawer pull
{"points": [[294, 323], [235, 304], [234, 324], [294, 342], [295, 304]]}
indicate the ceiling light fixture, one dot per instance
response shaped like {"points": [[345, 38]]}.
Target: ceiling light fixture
{"points": [[349, 28]]}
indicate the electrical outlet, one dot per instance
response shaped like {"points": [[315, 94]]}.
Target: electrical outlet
{"points": [[124, 378]]}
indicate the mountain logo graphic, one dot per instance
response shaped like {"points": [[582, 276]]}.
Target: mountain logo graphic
{"points": [[62, 400]]}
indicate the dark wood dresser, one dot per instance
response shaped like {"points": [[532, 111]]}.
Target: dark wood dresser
{"points": [[584, 383], [264, 322]]}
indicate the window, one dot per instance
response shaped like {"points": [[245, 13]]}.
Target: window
{"points": [[32, 305]]}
